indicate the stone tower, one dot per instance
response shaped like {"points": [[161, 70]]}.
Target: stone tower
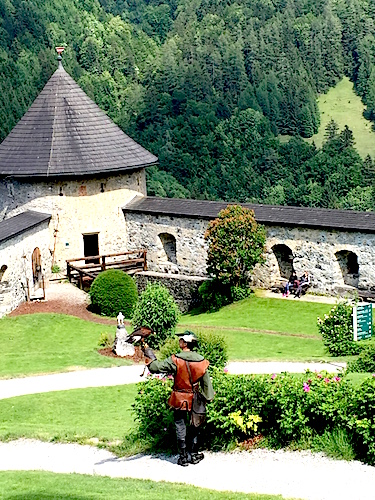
{"points": [[67, 158]]}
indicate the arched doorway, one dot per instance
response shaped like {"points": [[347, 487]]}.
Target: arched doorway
{"points": [[348, 262], [168, 242], [36, 263], [2, 271], [284, 257]]}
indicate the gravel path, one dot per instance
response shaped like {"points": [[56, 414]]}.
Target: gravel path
{"points": [[120, 375], [300, 475]]}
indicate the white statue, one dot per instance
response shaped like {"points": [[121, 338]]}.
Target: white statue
{"points": [[120, 319]]}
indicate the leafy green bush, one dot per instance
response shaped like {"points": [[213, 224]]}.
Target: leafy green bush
{"points": [[213, 348], [113, 291], [235, 245], [214, 295], [336, 329], [106, 340], [158, 310], [210, 345], [284, 408], [365, 361], [361, 420], [152, 413], [240, 293]]}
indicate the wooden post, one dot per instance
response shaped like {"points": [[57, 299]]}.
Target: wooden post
{"points": [[144, 260], [80, 280], [103, 262]]}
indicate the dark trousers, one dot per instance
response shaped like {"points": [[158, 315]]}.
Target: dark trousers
{"points": [[180, 417]]}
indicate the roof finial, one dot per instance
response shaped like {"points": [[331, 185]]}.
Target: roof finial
{"points": [[59, 51]]}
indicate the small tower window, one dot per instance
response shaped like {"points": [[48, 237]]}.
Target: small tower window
{"points": [[61, 191], [102, 187]]}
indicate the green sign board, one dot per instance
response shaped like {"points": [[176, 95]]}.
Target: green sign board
{"points": [[362, 321]]}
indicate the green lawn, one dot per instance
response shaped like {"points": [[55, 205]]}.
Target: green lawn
{"points": [[46, 343], [343, 105], [246, 346], [76, 415], [258, 313], [41, 343], [46, 485]]}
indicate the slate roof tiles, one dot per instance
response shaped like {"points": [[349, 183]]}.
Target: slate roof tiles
{"points": [[319, 218], [64, 133], [9, 228]]}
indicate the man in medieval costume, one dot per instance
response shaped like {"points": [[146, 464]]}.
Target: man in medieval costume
{"points": [[192, 388]]}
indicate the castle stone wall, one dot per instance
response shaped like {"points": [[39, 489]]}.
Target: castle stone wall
{"points": [[78, 207], [313, 250], [143, 231], [16, 254]]}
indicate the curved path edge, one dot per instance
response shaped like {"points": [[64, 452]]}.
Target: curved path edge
{"points": [[301, 475], [120, 375]]}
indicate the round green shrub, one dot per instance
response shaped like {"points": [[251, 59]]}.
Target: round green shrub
{"points": [[113, 291], [336, 329], [210, 345], [214, 295], [365, 361], [158, 310]]}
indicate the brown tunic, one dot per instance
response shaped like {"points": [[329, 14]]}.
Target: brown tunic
{"points": [[182, 394]]}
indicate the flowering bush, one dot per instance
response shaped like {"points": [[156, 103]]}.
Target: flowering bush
{"points": [[283, 408], [336, 329]]}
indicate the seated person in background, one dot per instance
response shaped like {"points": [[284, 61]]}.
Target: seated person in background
{"points": [[303, 284], [290, 284]]}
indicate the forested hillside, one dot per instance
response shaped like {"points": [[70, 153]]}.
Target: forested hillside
{"points": [[208, 85]]}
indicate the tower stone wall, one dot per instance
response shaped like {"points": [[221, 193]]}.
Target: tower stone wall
{"points": [[88, 205]]}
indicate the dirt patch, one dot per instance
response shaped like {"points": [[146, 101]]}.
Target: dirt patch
{"points": [[137, 358], [60, 307]]}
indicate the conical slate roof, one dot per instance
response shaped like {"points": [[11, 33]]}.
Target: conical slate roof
{"points": [[64, 133]]}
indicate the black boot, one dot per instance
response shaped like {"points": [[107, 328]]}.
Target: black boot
{"points": [[195, 456], [183, 459]]}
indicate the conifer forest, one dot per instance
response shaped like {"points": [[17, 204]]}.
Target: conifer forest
{"points": [[210, 87]]}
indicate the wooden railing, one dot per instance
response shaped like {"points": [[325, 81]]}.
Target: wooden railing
{"points": [[92, 265]]}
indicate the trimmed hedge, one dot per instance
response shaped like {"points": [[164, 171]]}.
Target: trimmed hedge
{"points": [[113, 291], [365, 361]]}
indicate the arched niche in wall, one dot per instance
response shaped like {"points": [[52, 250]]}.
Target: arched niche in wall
{"points": [[348, 262], [36, 262], [2, 272], [168, 242], [284, 257]]}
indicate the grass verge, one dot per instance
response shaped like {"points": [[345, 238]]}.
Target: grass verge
{"points": [[100, 415], [46, 485], [45, 343], [262, 314]]}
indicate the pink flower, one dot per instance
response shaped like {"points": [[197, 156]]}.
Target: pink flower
{"points": [[306, 387], [170, 376], [273, 376], [309, 381], [326, 380], [226, 370], [373, 374], [319, 375], [337, 379]]}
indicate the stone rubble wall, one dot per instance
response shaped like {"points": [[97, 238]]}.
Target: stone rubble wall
{"points": [[313, 251], [78, 207], [143, 232], [184, 289], [16, 254]]}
